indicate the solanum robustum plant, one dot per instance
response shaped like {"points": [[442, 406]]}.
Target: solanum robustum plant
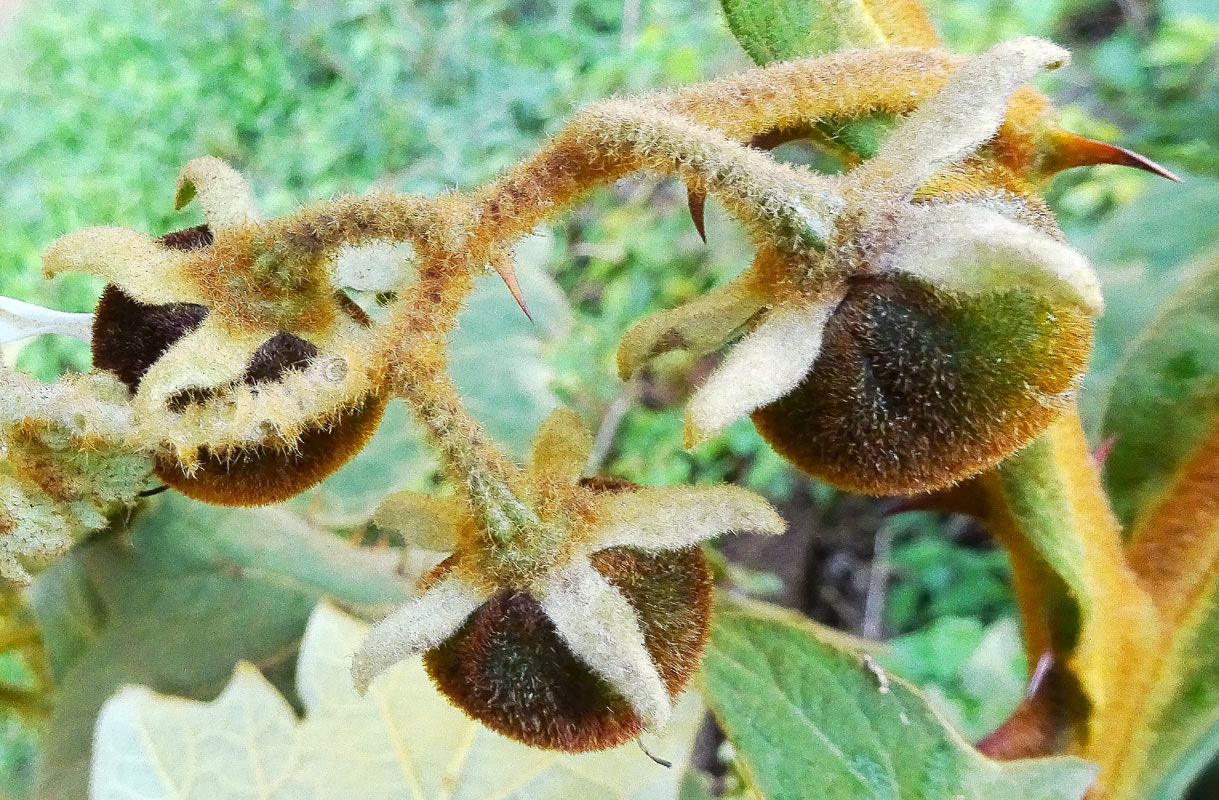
{"points": [[915, 324]]}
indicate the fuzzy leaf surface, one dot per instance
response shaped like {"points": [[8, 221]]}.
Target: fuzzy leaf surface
{"points": [[402, 740], [780, 30], [803, 709], [1165, 400], [1164, 476]]}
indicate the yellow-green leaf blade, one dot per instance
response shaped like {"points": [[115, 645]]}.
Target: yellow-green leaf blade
{"points": [[780, 30], [401, 740], [1163, 474], [803, 711], [1175, 552], [1179, 735], [1165, 400]]}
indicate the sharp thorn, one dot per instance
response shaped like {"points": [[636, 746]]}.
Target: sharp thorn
{"points": [[508, 274], [1081, 151], [697, 200], [1140, 161], [1128, 158]]}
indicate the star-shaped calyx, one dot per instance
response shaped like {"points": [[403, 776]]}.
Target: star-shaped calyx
{"points": [[570, 615], [938, 322], [248, 365]]}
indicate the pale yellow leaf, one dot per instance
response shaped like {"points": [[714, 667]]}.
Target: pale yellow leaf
{"points": [[401, 741]]}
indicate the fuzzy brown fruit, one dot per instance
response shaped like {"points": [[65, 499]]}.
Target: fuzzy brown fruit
{"points": [[508, 668], [914, 389], [129, 337]]}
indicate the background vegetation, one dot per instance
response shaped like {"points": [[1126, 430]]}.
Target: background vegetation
{"points": [[101, 103]]}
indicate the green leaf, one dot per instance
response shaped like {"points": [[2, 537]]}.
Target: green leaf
{"points": [[497, 354], [402, 740], [973, 676], [1166, 397], [1164, 417], [805, 710], [779, 30], [177, 602], [695, 786]]}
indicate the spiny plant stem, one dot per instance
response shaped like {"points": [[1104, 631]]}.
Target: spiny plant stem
{"points": [[422, 321], [778, 204], [1046, 501], [693, 133]]}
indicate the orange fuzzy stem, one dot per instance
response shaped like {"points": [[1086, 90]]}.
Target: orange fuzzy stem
{"points": [[1079, 597], [1175, 549], [796, 94], [613, 139]]}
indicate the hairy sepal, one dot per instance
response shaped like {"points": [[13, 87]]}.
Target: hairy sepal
{"points": [[963, 248], [424, 520], [761, 368], [670, 517], [227, 200], [561, 448], [915, 389], [697, 327], [962, 116], [203, 361], [146, 269], [602, 629], [417, 626]]}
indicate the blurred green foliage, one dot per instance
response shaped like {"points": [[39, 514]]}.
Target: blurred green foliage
{"points": [[939, 576], [973, 673], [101, 102]]}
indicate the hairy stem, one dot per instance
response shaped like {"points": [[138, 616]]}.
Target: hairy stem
{"points": [[797, 94], [779, 204], [694, 133], [419, 330], [1079, 598]]}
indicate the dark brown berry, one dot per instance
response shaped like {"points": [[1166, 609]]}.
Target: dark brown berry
{"points": [[914, 390], [509, 669], [265, 474], [130, 336]]}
